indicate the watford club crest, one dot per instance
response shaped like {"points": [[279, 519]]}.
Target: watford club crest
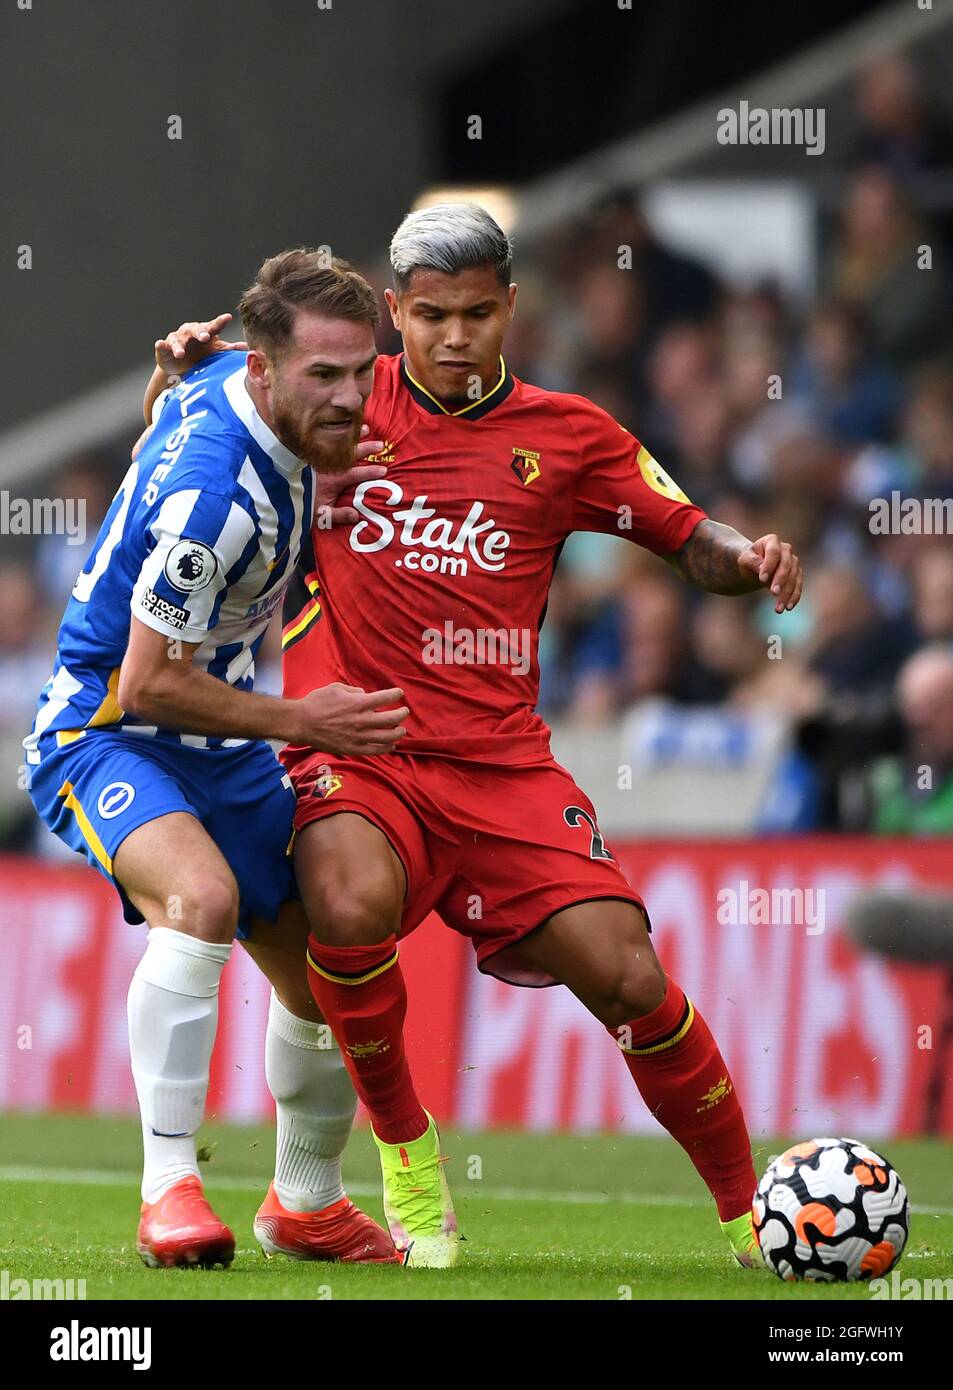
{"points": [[526, 466], [326, 785]]}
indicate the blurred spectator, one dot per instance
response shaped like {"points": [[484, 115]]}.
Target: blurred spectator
{"points": [[933, 594], [26, 656], [687, 417], [726, 650], [855, 650], [804, 464], [900, 130], [26, 660], [928, 430], [756, 311], [674, 286], [91, 479], [610, 328], [753, 367], [653, 637], [849, 394], [913, 794], [874, 267]]}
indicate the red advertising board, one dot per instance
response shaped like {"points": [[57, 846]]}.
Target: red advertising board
{"points": [[819, 1036]]}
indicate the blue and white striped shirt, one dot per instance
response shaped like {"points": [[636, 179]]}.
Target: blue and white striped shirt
{"points": [[199, 544]]}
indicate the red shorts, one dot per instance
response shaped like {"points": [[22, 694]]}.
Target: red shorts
{"points": [[494, 850]]}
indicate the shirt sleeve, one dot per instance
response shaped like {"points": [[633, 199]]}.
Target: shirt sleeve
{"points": [[201, 543], [621, 490]]}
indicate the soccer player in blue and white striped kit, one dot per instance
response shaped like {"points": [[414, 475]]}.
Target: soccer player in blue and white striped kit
{"points": [[148, 753]]}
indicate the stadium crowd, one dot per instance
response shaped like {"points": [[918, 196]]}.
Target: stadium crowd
{"points": [[861, 408]]}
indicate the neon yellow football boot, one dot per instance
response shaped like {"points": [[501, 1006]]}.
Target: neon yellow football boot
{"points": [[417, 1202], [743, 1241]]}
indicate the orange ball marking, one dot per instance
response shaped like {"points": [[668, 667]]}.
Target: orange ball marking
{"points": [[879, 1258], [819, 1216], [799, 1151]]}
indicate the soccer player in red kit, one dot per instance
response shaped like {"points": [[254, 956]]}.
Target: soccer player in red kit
{"points": [[438, 585]]}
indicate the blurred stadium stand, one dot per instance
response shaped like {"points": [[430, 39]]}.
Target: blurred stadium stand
{"points": [[746, 263]]}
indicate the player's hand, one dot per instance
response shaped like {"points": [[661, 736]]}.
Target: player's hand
{"points": [[775, 566], [329, 486], [345, 720], [190, 342]]}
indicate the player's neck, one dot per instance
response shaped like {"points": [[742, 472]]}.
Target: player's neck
{"points": [[259, 400]]}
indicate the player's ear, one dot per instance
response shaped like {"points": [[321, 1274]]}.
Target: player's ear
{"points": [[393, 305], [510, 303], [257, 364]]}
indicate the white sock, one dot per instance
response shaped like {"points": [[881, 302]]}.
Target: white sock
{"points": [[316, 1103], [172, 1008]]}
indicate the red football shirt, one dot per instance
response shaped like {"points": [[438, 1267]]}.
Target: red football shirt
{"points": [[441, 586]]}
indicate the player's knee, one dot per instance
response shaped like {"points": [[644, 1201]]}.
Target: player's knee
{"points": [[345, 913], [207, 909], [636, 991]]}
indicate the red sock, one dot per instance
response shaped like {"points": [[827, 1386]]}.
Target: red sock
{"points": [[675, 1062], [360, 990]]}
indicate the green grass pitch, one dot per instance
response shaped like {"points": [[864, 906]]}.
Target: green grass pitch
{"points": [[544, 1216]]}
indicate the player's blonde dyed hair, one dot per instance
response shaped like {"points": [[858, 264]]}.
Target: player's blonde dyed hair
{"points": [[449, 237]]}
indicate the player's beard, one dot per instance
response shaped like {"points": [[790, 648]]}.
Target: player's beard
{"points": [[325, 452]]}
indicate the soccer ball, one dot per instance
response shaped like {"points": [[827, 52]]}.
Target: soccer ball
{"points": [[831, 1209]]}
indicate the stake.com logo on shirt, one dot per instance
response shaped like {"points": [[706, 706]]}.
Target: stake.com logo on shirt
{"points": [[422, 529]]}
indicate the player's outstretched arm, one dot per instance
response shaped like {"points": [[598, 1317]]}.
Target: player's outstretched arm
{"points": [[159, 683], [723, 561], [183, 349], [176, 353]]}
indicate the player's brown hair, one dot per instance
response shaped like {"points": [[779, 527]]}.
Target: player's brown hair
{"points": [[302, 279]]}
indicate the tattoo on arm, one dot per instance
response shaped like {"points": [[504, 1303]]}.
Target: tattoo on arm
{"points": [[709, 559]]}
